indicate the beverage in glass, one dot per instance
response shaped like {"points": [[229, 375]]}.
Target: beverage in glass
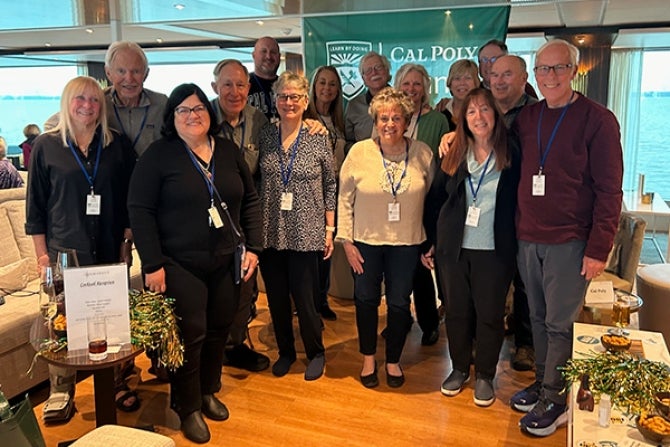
{"points": [[97, 337]]}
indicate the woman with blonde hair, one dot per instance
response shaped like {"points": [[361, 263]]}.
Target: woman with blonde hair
{"points": [[76, 199], [463, 77]]}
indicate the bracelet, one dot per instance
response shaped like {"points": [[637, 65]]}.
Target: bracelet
{"points": [[329, 228]]}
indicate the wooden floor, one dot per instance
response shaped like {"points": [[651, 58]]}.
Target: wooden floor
{"points": [[335, 410]]}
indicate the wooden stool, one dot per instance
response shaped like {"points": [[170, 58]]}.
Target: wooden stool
{"points": [[120, 436], [653, 286]]}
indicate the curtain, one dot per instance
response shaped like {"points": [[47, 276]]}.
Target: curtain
{"points": [[625, 85]]}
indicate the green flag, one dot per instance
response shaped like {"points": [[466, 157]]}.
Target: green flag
{"points": [[434, 39]]}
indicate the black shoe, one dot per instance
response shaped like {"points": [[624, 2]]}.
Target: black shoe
{"points": [[371, 380], [524, 358], [213, 408], [430, 338], [395, 381], [195, 429], [243, 357], [282, 366], [315, 367], [327, 313]]}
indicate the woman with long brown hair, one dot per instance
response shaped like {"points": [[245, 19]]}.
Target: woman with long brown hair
{"points": [[469, 220]]}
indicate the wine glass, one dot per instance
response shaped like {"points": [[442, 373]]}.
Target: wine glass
{"points": [[65, 259], [47, 300]]}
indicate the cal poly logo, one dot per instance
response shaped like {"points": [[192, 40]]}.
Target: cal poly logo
{"points": [[345, 56]]}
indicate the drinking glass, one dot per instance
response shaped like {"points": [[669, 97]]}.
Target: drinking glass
{"points": [[96, 330], [47, 300], [621, 313], [65, 259]]}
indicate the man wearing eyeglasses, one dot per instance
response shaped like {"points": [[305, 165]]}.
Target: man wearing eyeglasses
{"points": [[240, 123], [569, 200], [376, 72]]}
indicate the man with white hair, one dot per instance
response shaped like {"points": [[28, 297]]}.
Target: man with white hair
{"points": [[133, 110], [569, 200]]}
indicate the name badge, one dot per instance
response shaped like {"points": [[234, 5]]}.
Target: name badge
{"points": [[538, 185], [286, 201], [472, 219], [215, 217], [394, 212], [93, 205]]}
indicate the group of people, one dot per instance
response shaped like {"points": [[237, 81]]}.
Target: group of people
{"points": [[274, 170]]}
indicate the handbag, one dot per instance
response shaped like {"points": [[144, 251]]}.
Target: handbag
{"points": [[21, 429]]}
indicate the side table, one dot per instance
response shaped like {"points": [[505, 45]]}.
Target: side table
{"points": [[103, 375]]}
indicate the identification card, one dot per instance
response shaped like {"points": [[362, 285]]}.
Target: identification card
{"points": [[472, 219], [538, 185], [394, 212], [215, 217], [93, 205], [286, 201]]}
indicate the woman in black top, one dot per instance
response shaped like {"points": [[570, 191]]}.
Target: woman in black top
{"points": [[187, 242]]}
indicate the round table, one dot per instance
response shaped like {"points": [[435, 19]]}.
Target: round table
{"points": [[103, 375], [600, 310]]}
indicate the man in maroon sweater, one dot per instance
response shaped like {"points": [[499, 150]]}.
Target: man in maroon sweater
{"points": [[569, 200]]}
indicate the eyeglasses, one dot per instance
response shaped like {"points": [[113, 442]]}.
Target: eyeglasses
{"points": [[375, 68], [559, 69], [488, 60], [281, 97], [186, 111], [395, 119]]}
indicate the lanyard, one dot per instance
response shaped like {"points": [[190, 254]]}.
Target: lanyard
{"points": [[89, 178], [144, 121], [231, 135], [208, 181], [415, 128], [543, 157], [332, 136], [286, 173], [394, 188], [481, 178]]}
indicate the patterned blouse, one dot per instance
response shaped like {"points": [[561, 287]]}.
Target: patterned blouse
{"points": [[312, 183]]}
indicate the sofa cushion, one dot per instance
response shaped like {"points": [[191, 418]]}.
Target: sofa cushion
{"points": [[16, 211], [9, 249], [16, 275], [17, 315]]}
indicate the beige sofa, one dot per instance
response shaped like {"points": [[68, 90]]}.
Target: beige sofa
{"points": [[19, 279]]}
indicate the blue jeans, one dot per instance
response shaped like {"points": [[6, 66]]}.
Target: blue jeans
{"points": [[555, 289], [394, 264]]}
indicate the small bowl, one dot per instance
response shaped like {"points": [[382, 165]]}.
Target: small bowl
{"points": [[662, 404], [615, 343], [651, 435]]}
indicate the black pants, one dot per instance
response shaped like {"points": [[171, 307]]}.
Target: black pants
{"points": [[248, 295], [476, 286], [287, 274], [321, 298], [523, 333], [424, 299], [206, 299]]}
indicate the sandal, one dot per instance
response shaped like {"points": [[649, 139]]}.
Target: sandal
{"points": [[124, 394]]}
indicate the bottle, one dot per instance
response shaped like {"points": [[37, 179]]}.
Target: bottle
{"points": [[604, 410], [584, 395], [5, 408]]}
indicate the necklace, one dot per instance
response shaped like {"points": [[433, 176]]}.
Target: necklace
{"points": [[205, 165]]}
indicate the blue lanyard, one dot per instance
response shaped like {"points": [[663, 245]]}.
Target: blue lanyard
{"points": [[89, 178], [481, 178], [544, 154], [209, 182], [123, 130], [394, 188], [286, 172]]}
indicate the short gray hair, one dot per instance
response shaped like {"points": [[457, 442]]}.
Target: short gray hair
{"points": [[573, 50], [122, 45]]}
